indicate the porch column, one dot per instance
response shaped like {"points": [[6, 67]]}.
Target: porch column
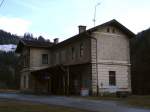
{"points": [[68, 80]]}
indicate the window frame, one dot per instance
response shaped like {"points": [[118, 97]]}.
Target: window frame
{"points": [[108, 29], [24, 81], [81, 49], [112, 78], [72, 53], [45, 59], [113, 30], [25, 60]]}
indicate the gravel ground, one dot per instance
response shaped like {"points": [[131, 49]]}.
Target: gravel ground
{"points": [[91, 105]]}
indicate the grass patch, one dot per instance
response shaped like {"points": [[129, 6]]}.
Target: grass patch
{"points": [[138, 101], [21, 106]]}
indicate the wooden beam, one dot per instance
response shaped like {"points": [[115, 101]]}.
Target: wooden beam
{"points": [[68, 80]]}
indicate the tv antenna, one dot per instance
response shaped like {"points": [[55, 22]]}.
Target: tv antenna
{"points": [[94, 19], [1, 3]]}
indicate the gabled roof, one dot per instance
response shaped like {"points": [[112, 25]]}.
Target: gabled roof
{"points": [[36, 43], [114, 23], [89, 31], [72, 39], [86, 34], [33, 43]]}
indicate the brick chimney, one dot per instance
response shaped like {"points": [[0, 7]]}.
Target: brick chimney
{"points": [[56, 40], [82, 28]]}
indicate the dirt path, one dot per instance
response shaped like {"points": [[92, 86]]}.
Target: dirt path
{"points": [[91, 105]]}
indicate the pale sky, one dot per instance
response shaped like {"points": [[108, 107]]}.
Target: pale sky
{"points": [[60, 18]]}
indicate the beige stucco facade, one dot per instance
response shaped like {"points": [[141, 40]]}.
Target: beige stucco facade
{"points": [[105, 49], [36, 58], [113, 54]]}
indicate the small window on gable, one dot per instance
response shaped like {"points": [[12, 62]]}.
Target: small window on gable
{"points": [[113, 30], [108, 29]]}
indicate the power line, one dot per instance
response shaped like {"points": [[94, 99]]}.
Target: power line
{"points": [[1, 3]]}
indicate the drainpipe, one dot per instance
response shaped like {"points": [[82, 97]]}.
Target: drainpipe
{"points": [[96, 65], [68, 77]]}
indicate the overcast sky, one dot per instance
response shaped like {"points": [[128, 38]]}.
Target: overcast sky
{"points": [[60, 18]]}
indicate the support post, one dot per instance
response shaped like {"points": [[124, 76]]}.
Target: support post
{"points": [[68, 77]]}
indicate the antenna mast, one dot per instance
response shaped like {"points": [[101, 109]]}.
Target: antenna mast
{"points": [[94, 20]]}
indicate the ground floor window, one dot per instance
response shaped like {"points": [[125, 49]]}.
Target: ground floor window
{"points": [[24, 81], [112, 78]]}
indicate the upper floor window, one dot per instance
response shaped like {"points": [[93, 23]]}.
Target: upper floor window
{"points": [[44, 58], [81, 49], [113, 30], [112, 78], [25, 61], [108, 29], [63, 55], [73, 52]]}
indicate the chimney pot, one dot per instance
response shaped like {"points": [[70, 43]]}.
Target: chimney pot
{"points": [[82, 28]]}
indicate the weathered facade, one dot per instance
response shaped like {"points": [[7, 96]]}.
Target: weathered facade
{"points": [[97, 60]]}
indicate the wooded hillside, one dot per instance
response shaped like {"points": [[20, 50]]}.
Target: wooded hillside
{"points": [[140, 58]]}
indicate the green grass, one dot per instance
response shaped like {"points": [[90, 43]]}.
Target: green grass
{"points": [[20, 106], [138, 101]]}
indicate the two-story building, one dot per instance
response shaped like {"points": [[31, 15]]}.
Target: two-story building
{"points": [[97, 60]]}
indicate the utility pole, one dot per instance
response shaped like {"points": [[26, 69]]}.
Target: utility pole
{"points": [[94, 19]]}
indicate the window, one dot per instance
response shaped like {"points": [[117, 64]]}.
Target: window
{"points": [[63, 55], [72, 52], [112, 78], [108, 30], [113, 30], [44, 58], [81, 49], [25, 61], [57, 58], [24, 81]]}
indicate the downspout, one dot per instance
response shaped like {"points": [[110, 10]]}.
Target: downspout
{"points": [[96, 65]]}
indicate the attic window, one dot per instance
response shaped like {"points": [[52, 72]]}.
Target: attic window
{"points": [[108, 30]]}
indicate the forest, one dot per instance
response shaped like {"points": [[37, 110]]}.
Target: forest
{"points": [[9, 68], [140, 61]]}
